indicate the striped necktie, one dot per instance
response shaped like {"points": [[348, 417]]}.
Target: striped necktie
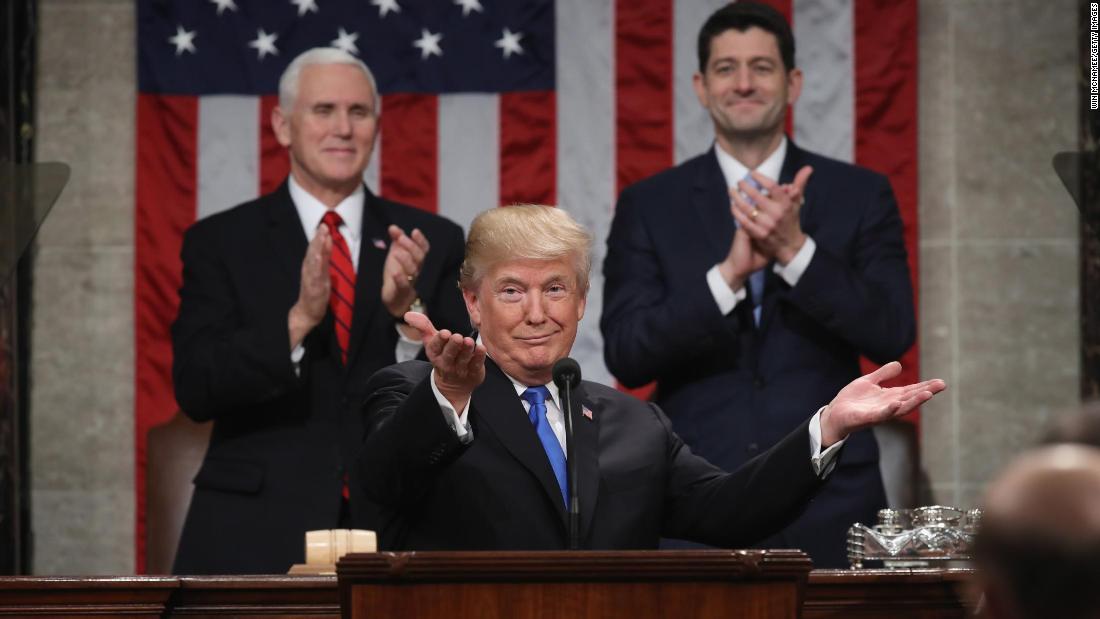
{"points": [[341, 272]]}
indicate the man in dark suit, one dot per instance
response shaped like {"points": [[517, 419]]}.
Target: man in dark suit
{"points": [[749, 297], [469, 451], [289, 303]]}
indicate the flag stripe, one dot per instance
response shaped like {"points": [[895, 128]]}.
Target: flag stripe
{"points": [[643, 110], [409, 155], [528, 153], [886, 116], [586, 147], [165, 202], [228, 137], [825, 110], [643, 75], [693, 128], [274, 161], [469, 161]]}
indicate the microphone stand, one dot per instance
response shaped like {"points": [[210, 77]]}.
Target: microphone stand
{"points": [[571, 466]]}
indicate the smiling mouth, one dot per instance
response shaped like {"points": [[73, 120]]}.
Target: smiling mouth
{"points": [[535, 340]]}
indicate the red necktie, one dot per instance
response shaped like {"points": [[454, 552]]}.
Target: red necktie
{"points": [[341, 271]]}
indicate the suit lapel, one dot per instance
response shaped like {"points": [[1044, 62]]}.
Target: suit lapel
{"points": [[495, 404], [586, 433], [710, 199], [286, 236], [368, 276]]}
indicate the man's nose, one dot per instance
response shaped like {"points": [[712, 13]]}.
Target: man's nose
{"points": [[743, 80], [342, 123], [536, 312]]}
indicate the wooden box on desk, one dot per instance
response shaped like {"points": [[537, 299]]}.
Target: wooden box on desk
{"points": [[581, 584]]}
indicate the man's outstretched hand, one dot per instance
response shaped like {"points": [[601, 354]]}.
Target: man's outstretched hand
{"points": [[864, 403], [459, 362]]}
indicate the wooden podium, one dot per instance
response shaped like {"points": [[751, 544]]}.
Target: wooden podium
{"points": [[574, 585]]}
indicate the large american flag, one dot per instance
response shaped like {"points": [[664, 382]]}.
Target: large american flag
{"points": [[485, 102]]}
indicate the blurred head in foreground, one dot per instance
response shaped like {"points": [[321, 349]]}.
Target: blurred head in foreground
{"points": [[1038, 552]]}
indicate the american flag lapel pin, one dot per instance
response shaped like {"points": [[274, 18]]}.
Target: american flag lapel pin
{"points": [[378, 243], [586, 412]]}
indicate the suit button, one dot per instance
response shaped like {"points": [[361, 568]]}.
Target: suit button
{"points": [[752, 449]]}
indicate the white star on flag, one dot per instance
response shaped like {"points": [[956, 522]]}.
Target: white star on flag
{"points": [[264, 43], [346, 41], [469, 5], [224, 4], [509, 43], [428, 44], [385, 6], [183, 40], [305, 6]]}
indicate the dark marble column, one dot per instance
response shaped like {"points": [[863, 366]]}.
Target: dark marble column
{"points": [[1089, 193], [17, 32]]}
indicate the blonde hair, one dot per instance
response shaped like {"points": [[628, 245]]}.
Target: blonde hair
{"points": [[525, 231]]}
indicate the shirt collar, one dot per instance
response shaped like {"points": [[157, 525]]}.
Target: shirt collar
{"points": [[734, 171], [551, 387], [311, 210]]}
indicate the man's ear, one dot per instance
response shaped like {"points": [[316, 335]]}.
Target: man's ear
{"points": [[472, 308], [699, 83], [794, 86], [280, 124]]}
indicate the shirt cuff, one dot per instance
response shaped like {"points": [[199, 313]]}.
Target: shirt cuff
{"points": [[726, 298], [406, 349], [797, 266], [823, 461], [457, 420], [296, 359]]}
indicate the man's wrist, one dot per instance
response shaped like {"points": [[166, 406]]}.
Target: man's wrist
{"points": [[828, 437], [731, 277], [416, 306], [788, 252], [298, 325], [456, 398]]}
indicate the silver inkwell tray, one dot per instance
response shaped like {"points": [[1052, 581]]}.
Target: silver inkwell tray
{"points": [[932, 536]]}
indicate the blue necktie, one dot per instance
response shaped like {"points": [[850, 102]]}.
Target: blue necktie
{"points": [[536, 397], [756, 280]]}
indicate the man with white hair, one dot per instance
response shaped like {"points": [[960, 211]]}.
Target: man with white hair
{"points": [[468, 452], [289, 303]]}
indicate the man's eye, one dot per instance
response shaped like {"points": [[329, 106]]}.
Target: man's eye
{"points": [[557, 291], [510, 294]]}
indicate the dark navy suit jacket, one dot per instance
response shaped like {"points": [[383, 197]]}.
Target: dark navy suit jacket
{"points": [[730, 388]]}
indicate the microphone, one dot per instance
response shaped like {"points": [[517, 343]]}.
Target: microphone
{"points": [[567, 371], [567, 375]]}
